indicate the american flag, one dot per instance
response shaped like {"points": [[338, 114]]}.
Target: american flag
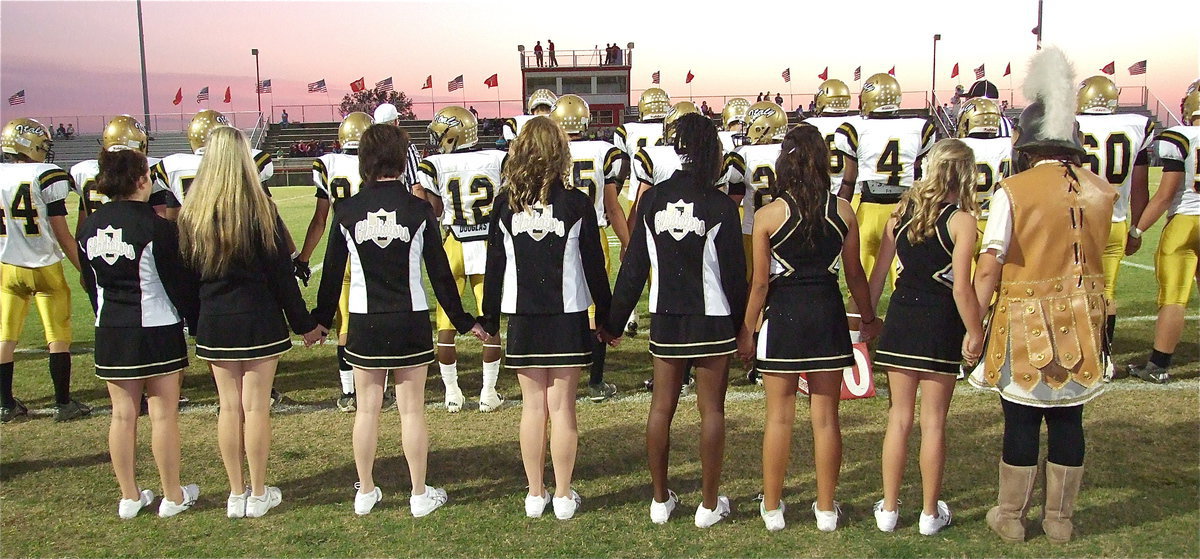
{"points": [[787, 74], [654, 78], [384, 85], [858, 73], [318, 87], [17, 98], [1137, 69], [455, 84], [979, 72], [203, 95], [264, 86]]}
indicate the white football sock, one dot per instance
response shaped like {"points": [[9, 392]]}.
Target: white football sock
{"points": [[450, 376], [491, 373], [347, 378], [855, 336]]}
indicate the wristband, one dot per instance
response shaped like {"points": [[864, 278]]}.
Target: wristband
{"points": [[1135, 233], [872, 321]]}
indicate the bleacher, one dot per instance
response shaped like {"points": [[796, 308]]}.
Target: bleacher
{"points": [[86, 146]]}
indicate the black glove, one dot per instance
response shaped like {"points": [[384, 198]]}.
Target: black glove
{"points": [[301, 270]]}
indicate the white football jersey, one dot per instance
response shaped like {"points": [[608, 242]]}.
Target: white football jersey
{"points": [[1182, 143], [467, 182], [751, 168], [177, 171], [828, 125], [993, 163], [632, 136], [512, 127], [886, 150], [26, 189], [83, 177], [654, 164], [595, 163], [727, 142], [336, 176], [1113, 143]]}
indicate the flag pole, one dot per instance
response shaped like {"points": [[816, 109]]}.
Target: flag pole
{"points": [[499, 111]]}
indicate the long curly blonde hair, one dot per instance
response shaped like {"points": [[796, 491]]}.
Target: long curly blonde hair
{"points": [[539, 158], [949, 168]]}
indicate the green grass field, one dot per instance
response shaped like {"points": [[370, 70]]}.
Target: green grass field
{"points": [[58, 495]]}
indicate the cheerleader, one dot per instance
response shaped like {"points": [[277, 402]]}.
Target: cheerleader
{"points": [[687, 236], [130, 267], [933, 321], [232, 237], [386, 232], [797, 243], [545, 267]]}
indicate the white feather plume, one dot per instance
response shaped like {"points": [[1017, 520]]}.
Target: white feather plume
{"points": [[1050, 79]]}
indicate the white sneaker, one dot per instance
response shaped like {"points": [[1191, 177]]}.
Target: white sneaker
{"points": [[258, 505], [427, 502], [454, 399], [827, 521], [364, 502], [167, 509], [235, 506], [773, 519], [706, 518], [886, 519], [660, 513], [930, 525], [128, 508], [565, 507], [490, 400], [535, 505]]}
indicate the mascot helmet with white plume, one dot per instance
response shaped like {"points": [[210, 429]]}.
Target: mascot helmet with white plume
{"points": [[1048, 126]]}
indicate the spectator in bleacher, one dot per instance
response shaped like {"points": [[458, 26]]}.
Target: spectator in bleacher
{"points": [[70, 131], [767, 96], [618, 55], [283, 119], [779, 99], [537, 52], [759, 97], [387, 114], [812, 106], [476, 113], [705, 109], [553, 61], [61, 132]]}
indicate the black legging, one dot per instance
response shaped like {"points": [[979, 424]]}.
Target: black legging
{"points": [[1022, 434]]}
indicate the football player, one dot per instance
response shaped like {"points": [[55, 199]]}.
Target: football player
{"points": [[654, 164], [984, 89], [177, 171], [832, 107], [460, 181], [1116, 147], [34, 239], [733, 117], [540, 103], [1175, 261], [979, 125], [122, 132], [336, 178], [653, 107], [596, 168]]}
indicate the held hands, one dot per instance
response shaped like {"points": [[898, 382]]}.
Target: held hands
{"points": [[301, 270], [606, 338], [972, 348], [478, 331], [1132, 245], [316, 336], [868, 331], [745, 345]]}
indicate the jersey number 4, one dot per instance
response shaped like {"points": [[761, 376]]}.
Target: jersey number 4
{"points": [[889, 162], [22, 208]]}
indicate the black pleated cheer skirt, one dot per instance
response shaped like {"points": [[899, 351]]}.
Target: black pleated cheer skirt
{"points": [[537, 341], [139, 352], [398, 340], [923, 332], [685, 336], [804, 330], [242, 337]]}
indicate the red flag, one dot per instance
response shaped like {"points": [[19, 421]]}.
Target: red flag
{"points": [[178, 97], [689, 77], [892, 72], [954, 72], [493, 81], [428, 82], [1110, 68], [358, 85], [824, 75], [1007, 69], [228, 97]]}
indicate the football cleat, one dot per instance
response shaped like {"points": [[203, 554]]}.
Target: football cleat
{"points": [[681, 108], [654, 103], [833, 96], [979, 115], [28, 137], [351, 129], [766, 123], [453, 128], [125, 132], [1097, 95], [880, 94], [541, 99], [572, 114], [202, 125]]}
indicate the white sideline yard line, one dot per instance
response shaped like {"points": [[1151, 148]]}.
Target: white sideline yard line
{"points": [[1136, 265]]}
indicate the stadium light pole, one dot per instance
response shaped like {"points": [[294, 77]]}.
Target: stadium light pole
{"points": [[142, 50], [257, 80], [933, 86]]}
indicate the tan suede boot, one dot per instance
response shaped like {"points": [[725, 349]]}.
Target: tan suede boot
{"points": [[1062, 486], [1007, 519]]}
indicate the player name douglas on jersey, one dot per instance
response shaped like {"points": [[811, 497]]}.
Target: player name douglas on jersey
{"points": [[381, 228], [539, 224], [678, 220]]}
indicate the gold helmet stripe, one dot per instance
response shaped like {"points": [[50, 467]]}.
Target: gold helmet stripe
{"points": [[851, 134]]}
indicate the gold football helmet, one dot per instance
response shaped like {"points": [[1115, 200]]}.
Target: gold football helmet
{"points": [[1191, 103], [681, 108], [26, 136], [202, 125], [124, 132], [833, 96], [880, 94], [765, 123], [572, 114], [654, 103], [979, 115], [734, 111], [351, 129], [541, 98], [453, 128], [1097, 96]]}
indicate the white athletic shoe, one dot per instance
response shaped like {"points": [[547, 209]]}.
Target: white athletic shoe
{"points": [[489, 400], [660, 513], [773, 519], [706, 518], [535, 505], [886, 519], [827, 521], [258, 505], [128, 508], [454, 399], [167, 509], [235, 506], [930, 525], [565, 507], [364, 502], [427, 502]]}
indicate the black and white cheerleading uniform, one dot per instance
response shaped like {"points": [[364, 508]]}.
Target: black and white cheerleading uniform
{"points": [[140, 290], [923, 331], [386, 233], [545, 267], [688, 239], [804, 326], [242, 312]]}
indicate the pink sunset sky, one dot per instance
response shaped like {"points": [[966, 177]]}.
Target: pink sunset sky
{"points": [[81, 58]]}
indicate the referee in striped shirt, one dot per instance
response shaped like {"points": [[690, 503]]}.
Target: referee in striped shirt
{"points": [[387, 114]]}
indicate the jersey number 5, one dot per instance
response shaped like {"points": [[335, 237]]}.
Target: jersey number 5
{"points": [[22, 208], [583, 176]]}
